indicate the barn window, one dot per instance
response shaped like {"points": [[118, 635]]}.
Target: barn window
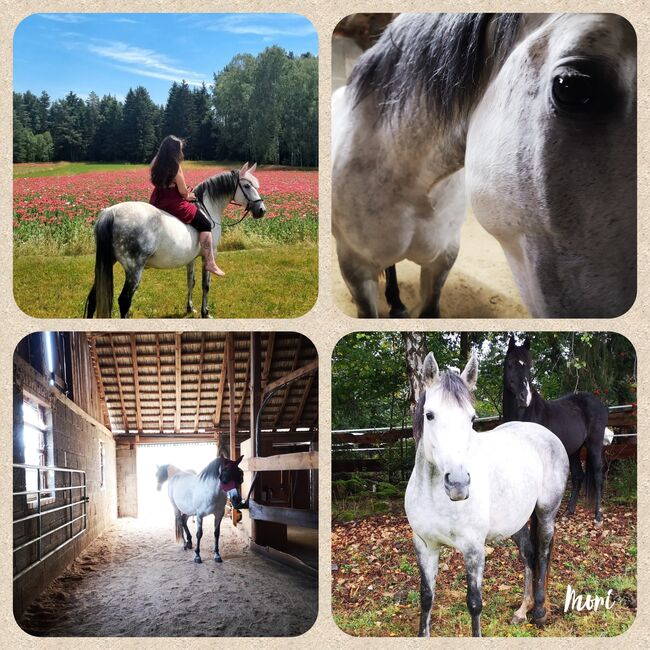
{"points": [[37, 440], [101, 464]]}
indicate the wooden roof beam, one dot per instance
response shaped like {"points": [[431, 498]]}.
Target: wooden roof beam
{"points": [[159, 373], [268, 359], [177, 357], [136, 384], [125, 420], [198, 390], [94, 359], [303, 400]]}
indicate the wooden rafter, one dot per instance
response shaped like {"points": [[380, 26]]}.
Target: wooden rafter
{"points": [[292, 376], [136, 384], [303, 399], [268, 359], [177, 357], [160, 402], [230, 360], [92, 342], [221, 388], [287, 388], [198, 390], [119, 387], [242, 401]]}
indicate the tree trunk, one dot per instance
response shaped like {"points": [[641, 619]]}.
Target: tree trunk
{"points": [[416, 352]]}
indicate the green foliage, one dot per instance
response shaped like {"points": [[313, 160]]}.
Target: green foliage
{"points": [[622, 481], [370, 384], [261, 108]]}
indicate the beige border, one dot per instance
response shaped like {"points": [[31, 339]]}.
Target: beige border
{"points": [[324, 324]]}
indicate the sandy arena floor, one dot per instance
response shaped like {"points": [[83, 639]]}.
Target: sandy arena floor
{"points": [[135, 580], [480, 284]]}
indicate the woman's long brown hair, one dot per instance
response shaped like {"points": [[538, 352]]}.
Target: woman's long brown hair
{"points": [[164, 166]]}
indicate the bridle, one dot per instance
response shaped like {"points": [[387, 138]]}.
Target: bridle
{"points": [[249, 203]]}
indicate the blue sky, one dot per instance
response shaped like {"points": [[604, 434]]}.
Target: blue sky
{"points": [[110, 53]]}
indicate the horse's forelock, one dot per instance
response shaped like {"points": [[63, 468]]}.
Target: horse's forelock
{"points": [[455, 391]]}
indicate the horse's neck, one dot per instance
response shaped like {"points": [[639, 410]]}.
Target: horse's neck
{"points": [[172, 469], [511, 410]]}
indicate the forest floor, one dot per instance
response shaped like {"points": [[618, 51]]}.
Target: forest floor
{"points": [[375, 579], [134, 580]]}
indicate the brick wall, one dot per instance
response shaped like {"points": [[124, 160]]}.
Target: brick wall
{"points": [[127, 485], [76, 439]]}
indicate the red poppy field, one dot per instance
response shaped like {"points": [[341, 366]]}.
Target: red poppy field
{"points": [[54, 212]]}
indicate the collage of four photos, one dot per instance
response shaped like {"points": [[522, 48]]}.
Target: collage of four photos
{"points": [[167, 476]]}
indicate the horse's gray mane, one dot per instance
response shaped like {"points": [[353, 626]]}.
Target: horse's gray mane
{"points": [[223, 184], [212, 471], [437, 58], [453, 388]]}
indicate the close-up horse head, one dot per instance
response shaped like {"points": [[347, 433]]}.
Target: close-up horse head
{"points": [[516, 372], [247, 192], [448, 413]]}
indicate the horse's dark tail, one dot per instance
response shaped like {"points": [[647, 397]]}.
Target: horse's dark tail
{"points": [[594, 464], [104, 261]]}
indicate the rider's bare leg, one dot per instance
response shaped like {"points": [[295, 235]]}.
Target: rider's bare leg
{"points": [[205, 240]]}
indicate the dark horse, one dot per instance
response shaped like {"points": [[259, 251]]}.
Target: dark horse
{"points": [[578, 420]]}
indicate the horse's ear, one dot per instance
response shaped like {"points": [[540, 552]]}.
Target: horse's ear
{"points": [[253, 168], [511, 343], [430, 372], [221, 455], [239, 460], [527, 343], [470, 374], [243, 169]]}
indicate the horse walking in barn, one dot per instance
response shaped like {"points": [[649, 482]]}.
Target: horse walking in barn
{"points": [[201, 495], [467, 489], [578, 420]]}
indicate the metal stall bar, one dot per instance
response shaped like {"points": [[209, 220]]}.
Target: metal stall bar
{"points": [[40, 491]]}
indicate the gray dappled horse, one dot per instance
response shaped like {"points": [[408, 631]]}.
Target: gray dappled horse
{"points": [[530, 117], [139, 235], [201, 495], [469, 488]]}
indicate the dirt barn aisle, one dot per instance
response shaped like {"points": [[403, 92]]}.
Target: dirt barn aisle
{"points": [[135, 580]]}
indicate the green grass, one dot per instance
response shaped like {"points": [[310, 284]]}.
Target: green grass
{"points": [[278, 282], [63, 168]]}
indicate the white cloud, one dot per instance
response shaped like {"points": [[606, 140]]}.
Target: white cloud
{"points": [[66, 18], [148, 63], [124, 20], [260, 25]]}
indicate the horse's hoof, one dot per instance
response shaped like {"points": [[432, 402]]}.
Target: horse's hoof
{"points": [[540, 620], [598, 523], [402, 312], [191, 310], [217, 558], [207, 315], [517, 620], [198, 560]]}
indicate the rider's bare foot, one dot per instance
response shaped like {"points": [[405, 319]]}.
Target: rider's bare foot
{"points": [[213, 268]]}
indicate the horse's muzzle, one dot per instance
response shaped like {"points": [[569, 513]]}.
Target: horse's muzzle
{"points": [[258, 210], [457, 486]]}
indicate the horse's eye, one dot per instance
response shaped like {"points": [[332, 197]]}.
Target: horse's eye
{"points": [[585, 87], [573, 91], [429, 415]]}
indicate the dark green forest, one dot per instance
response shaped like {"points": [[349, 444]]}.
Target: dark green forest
{"points": [[260, 108], [370, 385]]}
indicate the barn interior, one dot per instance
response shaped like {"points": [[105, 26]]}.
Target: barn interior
{"points": [[95, 413]]}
